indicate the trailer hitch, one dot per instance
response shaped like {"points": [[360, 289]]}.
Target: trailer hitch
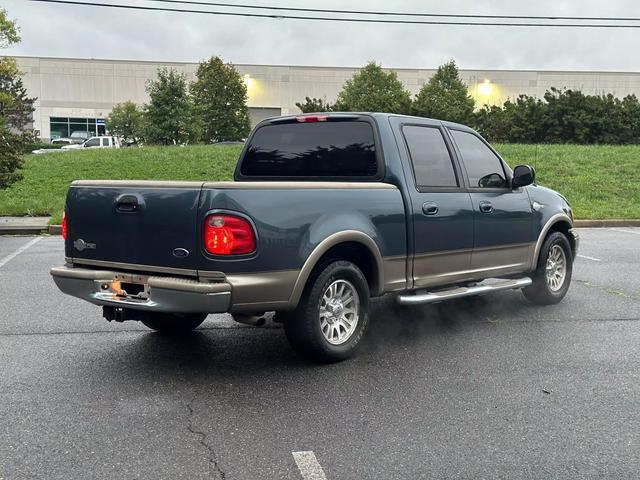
{"points": [[120, 314]]}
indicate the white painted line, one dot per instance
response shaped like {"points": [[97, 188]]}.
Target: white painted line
{"points": [[309, 466], [13, 255], [635, 232], [590, 258]]}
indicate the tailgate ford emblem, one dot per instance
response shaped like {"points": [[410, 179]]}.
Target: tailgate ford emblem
{"points": [[81, 245], [180, 252]]}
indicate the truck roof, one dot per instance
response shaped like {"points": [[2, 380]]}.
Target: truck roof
{"points": [[376, 115]]}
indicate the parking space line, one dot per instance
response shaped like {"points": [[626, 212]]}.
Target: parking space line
{"points": [[590, 258], [309, 466], [13, 255], [635, 232]]}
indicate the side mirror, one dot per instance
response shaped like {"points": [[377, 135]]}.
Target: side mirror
{"points": [[523, 175]]}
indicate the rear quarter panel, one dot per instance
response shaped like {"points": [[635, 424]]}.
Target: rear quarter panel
{"points": [[291, 222]]}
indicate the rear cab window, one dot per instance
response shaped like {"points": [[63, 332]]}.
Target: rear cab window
{"points": [[430, 157], [335, 148]]}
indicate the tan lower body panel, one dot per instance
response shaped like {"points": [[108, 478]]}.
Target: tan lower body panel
{"points": [[443, 268], [440, 268], [395, 273], [272, 290], [262, 291], [503, 260]]}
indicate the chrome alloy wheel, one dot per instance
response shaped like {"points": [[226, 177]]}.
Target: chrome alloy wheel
{"points": [[339, 312], [556, 268]]}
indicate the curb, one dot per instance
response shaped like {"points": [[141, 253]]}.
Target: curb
{"points": [[606, 223], [55, 229], [23, 230]]}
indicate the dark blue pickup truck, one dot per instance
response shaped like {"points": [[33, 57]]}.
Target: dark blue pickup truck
{"points": [[326, 211]]}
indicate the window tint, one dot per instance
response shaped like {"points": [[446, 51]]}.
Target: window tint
{"points": [[430, 157], [94, 142], [320, 149], [105, 142], [483, 166]]}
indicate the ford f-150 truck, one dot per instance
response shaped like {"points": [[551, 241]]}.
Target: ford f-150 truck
{"points": [[325, 212]]}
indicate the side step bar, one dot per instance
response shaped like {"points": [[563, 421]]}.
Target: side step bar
{"points": [[459, 292]]}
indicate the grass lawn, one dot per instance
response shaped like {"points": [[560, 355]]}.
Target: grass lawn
{"points": [[599, 181]]}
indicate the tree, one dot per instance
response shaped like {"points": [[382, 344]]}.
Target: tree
{"points": [[220, 96], [445, 97], [374, 90], [311, 105], [15, 108], [126, 120], [169, 116], [563, 116]]}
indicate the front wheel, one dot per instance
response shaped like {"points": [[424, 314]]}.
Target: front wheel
{"points": [[552, 277], [332, 316], [173, 323]]}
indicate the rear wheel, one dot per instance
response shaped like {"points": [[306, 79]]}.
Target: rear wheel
{"points": [[174, 323], [552, 277], [332, 316]]}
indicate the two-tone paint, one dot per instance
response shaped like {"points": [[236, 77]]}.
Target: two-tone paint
{"points": [[156, 228]]}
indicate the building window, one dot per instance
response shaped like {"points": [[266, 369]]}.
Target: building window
{"points": [[64, 127]]}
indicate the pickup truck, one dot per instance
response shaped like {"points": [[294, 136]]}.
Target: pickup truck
{"points": [[325, 212], [95, 142]]}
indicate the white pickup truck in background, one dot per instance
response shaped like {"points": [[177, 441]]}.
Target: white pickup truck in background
{"points": [[96, 142]]}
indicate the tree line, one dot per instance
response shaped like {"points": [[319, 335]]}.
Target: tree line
{"points": [[561, 116], [212, 108]]}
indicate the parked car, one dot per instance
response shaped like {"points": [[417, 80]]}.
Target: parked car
{"points": [[326, 211], [96, 142]]}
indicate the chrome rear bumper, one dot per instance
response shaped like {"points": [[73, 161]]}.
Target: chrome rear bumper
{"points": [[158, 294]]}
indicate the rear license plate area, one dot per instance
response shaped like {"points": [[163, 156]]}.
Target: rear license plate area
{"points": [[125, 286]]}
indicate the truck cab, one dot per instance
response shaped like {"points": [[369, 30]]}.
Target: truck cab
{"points": [[325, 212]]}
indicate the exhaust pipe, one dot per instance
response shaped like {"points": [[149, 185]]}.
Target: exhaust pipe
{"points": [[253, 320]]}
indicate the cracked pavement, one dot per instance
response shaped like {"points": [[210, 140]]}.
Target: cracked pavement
{"points": [[456, 390]]}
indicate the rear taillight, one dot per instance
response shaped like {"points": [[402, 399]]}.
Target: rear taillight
{"points": [[312, 118], [64, 225], [228, 235]]}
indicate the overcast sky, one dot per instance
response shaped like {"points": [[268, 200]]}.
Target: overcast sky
{"points": [[56, 30]]}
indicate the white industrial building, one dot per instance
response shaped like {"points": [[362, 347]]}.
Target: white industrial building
{"points": [[78, 94]]}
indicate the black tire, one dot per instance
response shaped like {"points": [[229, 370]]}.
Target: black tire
{"points": [[303, 328], [173, 323], [540, 291]]}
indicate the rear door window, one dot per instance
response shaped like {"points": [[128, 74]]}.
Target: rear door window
{"points": [[484, 168], [338, 149], [432, 164]]}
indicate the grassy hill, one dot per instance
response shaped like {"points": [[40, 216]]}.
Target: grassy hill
{"points": [[600, 181]]}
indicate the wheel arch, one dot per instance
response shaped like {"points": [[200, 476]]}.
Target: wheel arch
{"points": [[350, 245], [559, 222]]}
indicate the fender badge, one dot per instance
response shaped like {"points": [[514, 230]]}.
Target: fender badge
{"points": [[537, 206], [81, 245], [180, 252]]}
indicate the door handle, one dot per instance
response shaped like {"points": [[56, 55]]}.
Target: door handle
{"points": [[486, 207], [430, 208], [127, 204]]}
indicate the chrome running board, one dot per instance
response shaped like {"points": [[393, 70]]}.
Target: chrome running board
{"points": [[459, 292]]}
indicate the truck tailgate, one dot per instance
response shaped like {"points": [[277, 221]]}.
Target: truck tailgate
{"points": [[133, 222]]}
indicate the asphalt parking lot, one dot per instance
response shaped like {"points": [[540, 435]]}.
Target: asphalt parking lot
{"points": [[490, 387]]}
